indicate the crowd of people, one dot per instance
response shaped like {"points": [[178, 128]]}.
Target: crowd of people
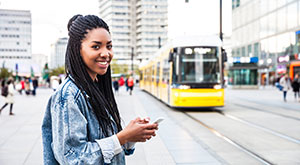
{"points": [[128, 82], [285, 83], [22, 84]]}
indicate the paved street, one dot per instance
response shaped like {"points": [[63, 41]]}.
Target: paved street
{"points": [[179, 140]]}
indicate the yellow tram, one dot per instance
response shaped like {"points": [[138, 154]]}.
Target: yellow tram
{"points": [[186, 72]]}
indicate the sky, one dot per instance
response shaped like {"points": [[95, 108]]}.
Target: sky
{"points": [[50, 18]]}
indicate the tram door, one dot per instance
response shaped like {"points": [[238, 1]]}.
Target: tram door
{"points": [[157, 79]]}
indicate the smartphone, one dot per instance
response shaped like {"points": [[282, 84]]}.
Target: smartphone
{"points": [[158, 120]]}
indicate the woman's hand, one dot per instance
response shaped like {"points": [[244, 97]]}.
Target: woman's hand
{"points": [[138, 130]]}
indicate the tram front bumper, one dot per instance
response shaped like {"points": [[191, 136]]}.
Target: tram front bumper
{"points": [[198, 99]]}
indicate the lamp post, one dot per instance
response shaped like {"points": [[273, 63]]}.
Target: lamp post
{"points": [[221, 34], [159, 42], [223, 53], [159, 38], [132, 49]]}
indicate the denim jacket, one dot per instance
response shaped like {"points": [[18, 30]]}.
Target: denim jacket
{"points": [[71, 132]]}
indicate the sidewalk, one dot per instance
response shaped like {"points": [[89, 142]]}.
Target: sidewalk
{"points": [[21, 143], [172, 145]]}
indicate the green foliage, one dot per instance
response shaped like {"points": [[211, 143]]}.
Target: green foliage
{"points": [[122, 68], [57, 71], [5, 73]]}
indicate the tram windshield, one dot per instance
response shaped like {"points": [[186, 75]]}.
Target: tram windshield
{"points": [[199, 65]]}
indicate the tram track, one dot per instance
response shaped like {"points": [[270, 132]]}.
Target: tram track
{"points": [[275, 104], [275, 133], [231, 141], [252, 152], [266, 111]]}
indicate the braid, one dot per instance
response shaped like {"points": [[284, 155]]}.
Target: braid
{"points": [[101, 95]]}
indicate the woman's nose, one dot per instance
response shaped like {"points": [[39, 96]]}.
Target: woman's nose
{"points": [[105, 55]]}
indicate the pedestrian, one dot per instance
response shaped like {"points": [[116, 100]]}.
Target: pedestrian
{"points": [[116, 86], [121, 81], [296, 85], [82, 123], [35, 84], [27, 86], [9, 96], [286, 85], [130, 83]]}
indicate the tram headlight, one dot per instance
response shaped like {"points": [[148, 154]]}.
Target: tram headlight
{"points": [[217, 86], [184, 87], [176, 94]]}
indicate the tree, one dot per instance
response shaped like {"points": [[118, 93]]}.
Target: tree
{"points": [[57, 71], [5, 73], [122, 68]]}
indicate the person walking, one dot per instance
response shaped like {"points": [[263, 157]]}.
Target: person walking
{"points": [[9, 96], [296, 86], [286, 84], [35, 85], [130, 84], [82, 124], [27, 86], [116, 86]]}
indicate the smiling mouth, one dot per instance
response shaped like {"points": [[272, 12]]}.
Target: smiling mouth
{"points": [[103, 62]]}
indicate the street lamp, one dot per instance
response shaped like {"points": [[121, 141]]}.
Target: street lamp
{"points": [[132, 49], [159, 38]]}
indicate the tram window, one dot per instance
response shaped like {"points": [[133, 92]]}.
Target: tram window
{"points": [[141, 74], [166, 71], [153, 71], [200, 65], [157, 72]]}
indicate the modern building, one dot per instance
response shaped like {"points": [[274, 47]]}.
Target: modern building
{"points": [[265, 40], [138, 27], [15, 38], [40, 59], [58, 52]]}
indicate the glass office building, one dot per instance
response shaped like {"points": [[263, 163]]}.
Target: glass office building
{"points": [[265, 40]]}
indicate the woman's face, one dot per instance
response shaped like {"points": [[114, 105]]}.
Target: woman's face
{"points": [[96, 51]]}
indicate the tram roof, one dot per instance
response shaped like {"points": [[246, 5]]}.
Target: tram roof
{"points": [[184, 41]]}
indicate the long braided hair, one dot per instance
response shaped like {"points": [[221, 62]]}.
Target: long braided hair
{"points": [[100, 94]]}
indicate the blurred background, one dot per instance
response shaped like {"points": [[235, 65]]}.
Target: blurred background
{"points": [[213, 69]]}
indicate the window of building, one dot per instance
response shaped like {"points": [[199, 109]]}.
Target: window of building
{"points": [[263, 27], [283, 42], [256, 49], [263, 7], [250, 51], [237, 3], [243, 77], [272, 26], [281, 19], [280, 3], [238, 54], [292, 15], [243, 51], [233, 4]]}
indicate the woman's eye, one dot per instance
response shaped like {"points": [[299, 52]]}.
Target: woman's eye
{"points": [[109, 46], [96, 47]]}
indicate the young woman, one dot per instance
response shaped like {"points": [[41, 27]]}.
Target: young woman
{"points": [[9, 99], [82, 122]]}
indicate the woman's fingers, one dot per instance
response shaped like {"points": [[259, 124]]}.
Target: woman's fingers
{"points": [[151, 126], [148, 132]]}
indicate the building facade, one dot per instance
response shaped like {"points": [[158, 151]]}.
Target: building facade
{"points": [[58, 53], [15, 38], [138, 27], [264, 40], [40, 60]]}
